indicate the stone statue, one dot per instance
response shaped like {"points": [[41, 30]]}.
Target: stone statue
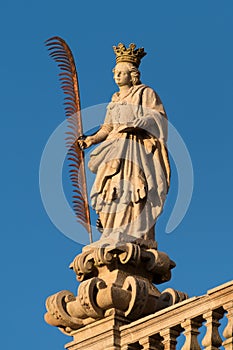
{"points": [[118, 272], [131, 163]]}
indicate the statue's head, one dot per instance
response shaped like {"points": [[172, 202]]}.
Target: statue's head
{"points": [[127, 62], [126, 73]]}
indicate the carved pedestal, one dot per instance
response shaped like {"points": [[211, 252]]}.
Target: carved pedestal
{"points": [[117, 287]]}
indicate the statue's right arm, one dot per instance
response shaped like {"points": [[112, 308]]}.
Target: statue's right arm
{"points": [[100, 136]]}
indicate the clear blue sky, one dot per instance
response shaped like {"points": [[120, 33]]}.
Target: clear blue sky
{"points": [[189, 63]]}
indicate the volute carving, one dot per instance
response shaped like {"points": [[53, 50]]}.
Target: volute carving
{"points": [[113, 277]]}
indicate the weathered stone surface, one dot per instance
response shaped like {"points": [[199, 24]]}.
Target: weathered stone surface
{"points": [[131, 162], [191, 332], [186, 316], [150, 263], [113, 277], [161, 330], [212, 339], [102, 334], [228, 331]]}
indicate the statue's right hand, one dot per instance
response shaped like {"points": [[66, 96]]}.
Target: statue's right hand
{"points": [[85, 142]]}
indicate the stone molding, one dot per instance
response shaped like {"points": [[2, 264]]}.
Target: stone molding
{"points": [[153, 264], [119, 278], [161, 330]]}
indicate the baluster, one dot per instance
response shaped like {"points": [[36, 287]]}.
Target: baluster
{"points": [[228, 331], [212, 339], [191, 332], [131, 347], [151, 343], [169, 338]]}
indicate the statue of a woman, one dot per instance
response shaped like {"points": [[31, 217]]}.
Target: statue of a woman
{"points": [[131, 163]]}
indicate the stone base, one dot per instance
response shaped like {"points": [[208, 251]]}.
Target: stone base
{"points": [[113, 277], [102, 334]]}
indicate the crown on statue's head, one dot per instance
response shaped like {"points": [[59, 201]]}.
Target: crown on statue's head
{"points": [[129, 54]]}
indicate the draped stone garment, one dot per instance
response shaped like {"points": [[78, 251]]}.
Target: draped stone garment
{"points": [[131, 164]]}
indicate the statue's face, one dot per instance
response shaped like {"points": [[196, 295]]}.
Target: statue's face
{"points": [[122, 75]]}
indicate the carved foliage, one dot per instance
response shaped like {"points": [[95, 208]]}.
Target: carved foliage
{"points": [[57, 314], [133, 295], [158, 264], [131, 253], [82, 265], [86, 294]]}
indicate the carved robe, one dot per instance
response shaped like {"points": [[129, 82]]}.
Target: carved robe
{"points": [[131, 164]]}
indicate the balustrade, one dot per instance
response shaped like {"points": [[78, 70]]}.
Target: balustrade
{"points": [[174, 328], [161, 330]]}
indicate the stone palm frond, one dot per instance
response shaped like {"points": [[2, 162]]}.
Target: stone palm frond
{"points": [[62, 55]]}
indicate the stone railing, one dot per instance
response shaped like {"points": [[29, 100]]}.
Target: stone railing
{"points": [[162, 330]]}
